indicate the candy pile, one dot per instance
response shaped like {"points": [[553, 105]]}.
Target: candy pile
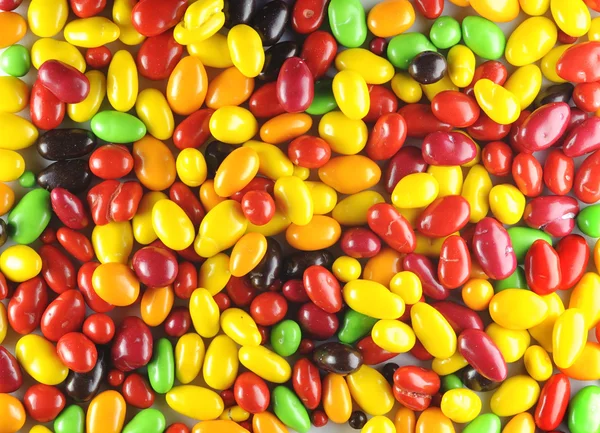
{"points": [[276, 269]]}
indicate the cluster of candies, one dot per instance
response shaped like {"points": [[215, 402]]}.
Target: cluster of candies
{"points": [[190, 236]]}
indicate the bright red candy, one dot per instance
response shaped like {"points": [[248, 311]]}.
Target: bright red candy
{"points": [[454, 266], [99, 328], [587, 179], [308, 15], [57, 269], [493, 249], [373, 354], [84, 282], [318, 52], [592, 4], [385, 220], [98, 57], [111, 161], [459, 317], [186, 281], [446, 215], [178, 322], [414, 386], [423, 268], [317, 323], [360, 243], [430, 9], [323, 288], [193, 131], [382, 101], [65, 314], [264, 103], [27, 305], [137, 392], [554, 214], [76, 244], [587, 96], [528, 174], [482, 354], [309, 152], [268, 308], [87, 8], [69, 209], [542, 268], [251, 393], [46, 110], [153, 17], [132, 345], [485, 129], [455, 108], [9, 5], [258, 207], [43, 402], [11, 377], [553, 402], [574, 254], [113, 201], [3, 287], [580, 63], [177, 428], [115, 377], [497, 158], [583, 138], [420, 120], [492, 70], [223, 301], [155, 267], [295, 85], [158, 56], [386, 137], [307, 383], [77, 352], [65, 82], [544, 127], [559, 172]]}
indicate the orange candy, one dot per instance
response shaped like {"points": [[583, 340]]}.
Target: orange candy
{"points": [[154, 163], [187, 86], [12, 28], [285, 127], [230, 87]]}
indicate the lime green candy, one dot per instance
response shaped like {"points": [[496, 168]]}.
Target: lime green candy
{"points": [[147, 421], [483, 37], [516, 280], [117, 127], [15, 61], [588, 221], [403, 48], [523, 237], [583, 415], [286, 337], [355, 326], [161, 369], [324, 101], [27, 179], [486, 423], [70, 420], [452, 381], [445, 32], [30, 217], [290, 410], [348, 22]]}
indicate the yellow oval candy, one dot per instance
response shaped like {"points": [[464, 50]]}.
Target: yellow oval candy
{"points": [[461, 65], [38, 358], [240, 327], [265, 363], [525, 83], [221, 363], [346, 136], [393, 336], [542, 333], [195, 402], [205, 313], [351, 94], [122, 81], [47, 17], [143, 231], [91, 32], [568, 337], [20, 263], [220, 229], [17, 133], [572, 17], [538, 363], [373, 68], [498, 103], [499, 11], [153, 109], [215, 273], [370, 391], [507, 203], [113, 242], [530, 41], [517, 309], [586, 297], [352, 211], [433, 330], [245, 50], [461, 405], [512, 343], [516, 394], [373, 299], [189, 357], [416, 190]]}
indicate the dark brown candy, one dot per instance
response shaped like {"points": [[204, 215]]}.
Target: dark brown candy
{"points": [[73, 175], [61, 144], [337, 358]]}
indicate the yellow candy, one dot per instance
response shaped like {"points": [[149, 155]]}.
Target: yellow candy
{"points": [[156, 304], [572, 17], [50, 49], [371, 392], [594, 32], [406, 88], [91, 32], [516, 394], [195, 402], [346, 269], [202, 20], [214, 273], [237, 414], [477, 294], [39, 429], [116, 284], [433, 330], [586, 297], [15, 94], [597, 255], [122, 81], [20, 263], [172, 225], [498, 103], [350, 174], [535, 7], [352, 211], [266, 364], [521, 423], [121, 14], [86, 109], [461, 65], [47, 17], [507, 203], [191, 166], [476, 190], [294, 199], [525, 83], [12, 414], [143, 230], [220, 229], [205, 313], [189, 357], [272, 162], [3, 323], [346, 136], [221, 363], [246, 50], [212, 52], [351, 94], [517, 309], [372, 68], [337, 401], [542, 333], [373, 299], [278, 224], [12, 165], [233, 125], [106, 413], [301, 172], [530, 41], [432, 90], [538, 363], [113, 242], [407, 285], [548, 64], [240, 327], [37, 356], [512, 343], [324, 197], [17, 132], [415, 190], [379, 424], [449, 178], [568, 337], [321, 232], [446, 366], [499, 11], [247, 254], [393, 336], [283, 127], [153, 109], [461, 405]]}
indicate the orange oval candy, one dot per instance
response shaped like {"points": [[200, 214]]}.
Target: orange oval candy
{"points": [[187, 86], [154, 163], [230, 87], [7, 198], [285, 127], [12, 28], [321, 232]]}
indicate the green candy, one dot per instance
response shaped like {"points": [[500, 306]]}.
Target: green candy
{"points": [[486, 423], [355, 326], [348, 22], [324, 101], [484, 37], [445, 32], [516, 280], [452, 381], [30, 217], [290, 410], [147, 421], [70, 420], [403, 48], [15, 61], [584, 416], [27, 179], [117, 127], [161, 369], [523, 237], [588, 221], [286, 337]]}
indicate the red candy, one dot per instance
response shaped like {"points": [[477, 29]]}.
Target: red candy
{"points": [[111, 161], [480, 351], [317, 323], [387, 137], [323, 289], [251, 393], [64, 81], [552, 213], [373, 354], [493, 249], [553, 402], [309, 152], [45, 109], [113, 201], [268, 308], [84, 282], [132, 345], [186, 281], [382, 101], [423, 268], [27, 305], [307, 383], [11, 377], [87, 8], [580, 63], [137, 391], [430, 9], [459, 317], [587, 179], [583, 138], [69, 209], [43, 402], [544, 127], [258, 207], [77, 352], [360, 243], [408, 160], [158, 56], [99, 328], [153, 17], [492, 70], [455, 108], [318, 52], [57, 269], [393, 228], [98, 57], [559, 172], [185, 198], [414, 387], [574, 254], [587, 96], [65, 314], [497, 158], [542, 268], [308, 15], [155, 267], [528, 174], [193, 131], [76, 244], [421, 121], [454, 267], [446, 215], [295, 87], [264, 103]]}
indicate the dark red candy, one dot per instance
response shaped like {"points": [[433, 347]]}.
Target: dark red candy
{"points": [[251, 393], [153, 17], [307, 383], [360, 243], [65, 82], [480, 351], [240, 291], [84, 281], [111, 161], [295, 86], [178, 322], [542, 268], [98, 57], [385, 220], [46, 110], [382, 101], [77, 352], [455, 108], [69, 209], [65, 314], [293, 290], [454, 266], [423, 268], [414, 386], [493, 249], [378, 46], [87, 8], [559, 172], [137, 392], [420, 120], [574, 254], [318, 52], [158, 56], [193, 131], [9, 5], [308, 15], [552, 213], [583, 138], [386, 137], [27, 305], [57, 269], [459, 317], [580, 63], [155, 267], [485, 129], [544, 127], [446, 215], [317, 323], [323, 288], [408, 160], [185, 198], [11, 378], [186, 281], [132, 345], [43, 402]]}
